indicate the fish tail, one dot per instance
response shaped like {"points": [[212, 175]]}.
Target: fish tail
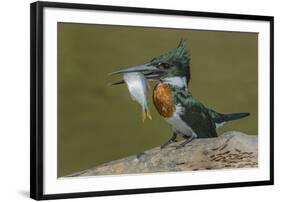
{"points": [[148, 114]]}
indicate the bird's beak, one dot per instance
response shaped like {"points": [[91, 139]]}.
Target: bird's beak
{"points": [[149, 71]]}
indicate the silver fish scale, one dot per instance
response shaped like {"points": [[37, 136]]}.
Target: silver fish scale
{"points": [[137, 85]]}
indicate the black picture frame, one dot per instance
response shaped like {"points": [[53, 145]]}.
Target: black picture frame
{"points": [[36, 98]]}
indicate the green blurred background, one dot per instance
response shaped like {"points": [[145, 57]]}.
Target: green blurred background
{"points": [[98, 123]]}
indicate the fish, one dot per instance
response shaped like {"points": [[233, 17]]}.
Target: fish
{"points": [[138, 87]]}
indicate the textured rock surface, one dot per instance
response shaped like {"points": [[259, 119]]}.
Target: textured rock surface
{"points": [[230, 150]]}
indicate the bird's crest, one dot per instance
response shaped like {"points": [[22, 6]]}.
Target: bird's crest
{"points": [[178, 55]]}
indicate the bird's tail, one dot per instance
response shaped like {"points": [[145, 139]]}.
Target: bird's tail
{"points": [[235, 116]]}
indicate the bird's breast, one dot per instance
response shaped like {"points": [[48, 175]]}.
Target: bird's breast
{"points": [[163, 100]]}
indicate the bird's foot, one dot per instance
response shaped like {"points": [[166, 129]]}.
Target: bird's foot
{"points": [[171, 140], [167, 143], [140, 154], [185, 142]]}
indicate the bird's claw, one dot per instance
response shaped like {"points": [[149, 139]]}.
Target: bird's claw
{"points": [[180, 146], [140, 154], [185, 142], [163, 146]]}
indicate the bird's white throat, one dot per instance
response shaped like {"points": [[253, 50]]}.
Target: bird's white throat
{"points": [[176, 81]]}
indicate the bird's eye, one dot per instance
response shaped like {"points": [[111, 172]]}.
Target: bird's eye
{"points": [[165, 65]]}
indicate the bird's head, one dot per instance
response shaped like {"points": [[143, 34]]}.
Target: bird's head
{"points": [[171, 67]]}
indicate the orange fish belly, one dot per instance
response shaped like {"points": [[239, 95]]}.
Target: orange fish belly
{"points": [[163, 101]]}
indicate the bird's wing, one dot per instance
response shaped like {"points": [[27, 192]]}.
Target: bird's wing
{"points": [[197, 117], [217, 117]]}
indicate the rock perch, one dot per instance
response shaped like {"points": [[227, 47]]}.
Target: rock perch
{"points": [[229, 150]]}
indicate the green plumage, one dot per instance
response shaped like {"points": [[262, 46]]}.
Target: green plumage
{"points": [[173, 69], [220, 118], [178, 61], [201, 119], [195, 114], [177, 55]]}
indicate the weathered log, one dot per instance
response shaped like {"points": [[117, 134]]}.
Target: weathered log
{"points": [[229, 150]]}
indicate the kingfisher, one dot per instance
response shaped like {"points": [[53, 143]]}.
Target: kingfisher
{"points": [[188, 117]]}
